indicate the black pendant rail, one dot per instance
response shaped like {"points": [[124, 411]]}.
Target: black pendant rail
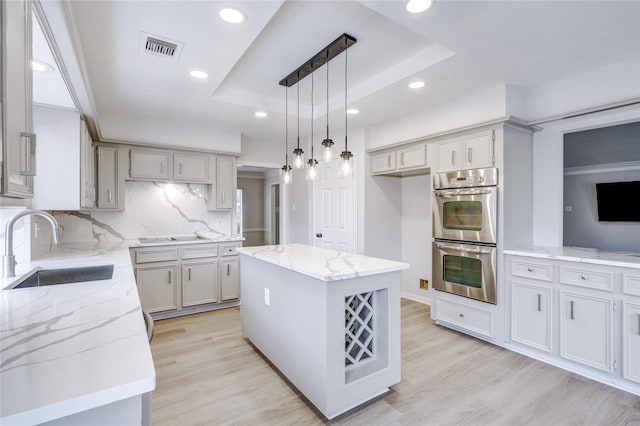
{"points": [[327, 53]]}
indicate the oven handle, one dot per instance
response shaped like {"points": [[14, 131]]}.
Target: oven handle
{"points": [[465, 250], [450, 193]]}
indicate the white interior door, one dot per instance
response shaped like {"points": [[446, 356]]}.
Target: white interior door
{"points": [[334, 208]]}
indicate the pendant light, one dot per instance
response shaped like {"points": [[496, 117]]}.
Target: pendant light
{"points": [[298, 162], [327, 143], [312, 171], [286, 169], [346, 156]]}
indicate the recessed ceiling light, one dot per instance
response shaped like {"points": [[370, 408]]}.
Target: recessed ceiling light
{"points": [[260, 114], [231, 15], [353, 111], [418, 6], [40, 66], [198, 74], [416, 84]]}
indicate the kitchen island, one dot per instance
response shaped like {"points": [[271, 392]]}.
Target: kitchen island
{"points": [[328, 320]]}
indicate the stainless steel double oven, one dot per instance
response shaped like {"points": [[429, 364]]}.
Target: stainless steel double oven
{"points": [[464, 231]]}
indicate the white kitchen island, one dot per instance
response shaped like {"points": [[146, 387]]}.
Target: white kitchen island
{"points": [[329, 321]]}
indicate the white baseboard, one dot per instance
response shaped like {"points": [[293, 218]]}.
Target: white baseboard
{"points": [[425, 300]]}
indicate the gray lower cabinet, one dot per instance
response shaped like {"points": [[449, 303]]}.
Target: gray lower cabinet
{"points": [[180, 279], [200, 282]]}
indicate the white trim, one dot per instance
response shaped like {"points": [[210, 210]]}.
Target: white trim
{"points": [[425, 300], [602, 168]]}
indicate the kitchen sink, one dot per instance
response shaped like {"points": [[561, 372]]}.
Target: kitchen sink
{"points": [[42, 277]]}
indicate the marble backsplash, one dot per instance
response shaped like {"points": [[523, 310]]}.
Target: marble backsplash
{"points": [[151, 209]]}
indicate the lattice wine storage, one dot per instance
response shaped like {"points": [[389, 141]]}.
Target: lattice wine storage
{"points": [[366, 327]]}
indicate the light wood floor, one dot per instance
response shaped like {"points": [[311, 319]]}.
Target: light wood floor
{"points": [[207, 374]]}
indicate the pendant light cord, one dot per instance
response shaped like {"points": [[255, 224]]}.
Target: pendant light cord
{"points": [[298, 87], [327, 95], [286, 126], [345, 96], [312, 112]]}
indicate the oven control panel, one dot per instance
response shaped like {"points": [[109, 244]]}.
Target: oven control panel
{"points": [[466, 178]]}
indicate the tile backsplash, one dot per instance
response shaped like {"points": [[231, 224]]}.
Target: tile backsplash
{"points": [[151, 209]]}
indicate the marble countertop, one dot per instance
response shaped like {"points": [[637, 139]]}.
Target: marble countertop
{"points": [[72, 347], [181, 240], [580, 254], [323, 264]]}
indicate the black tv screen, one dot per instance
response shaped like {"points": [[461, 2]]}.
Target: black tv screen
{"points": [[618, 201]]}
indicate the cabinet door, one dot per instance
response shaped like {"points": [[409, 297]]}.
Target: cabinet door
{"points": [[18, 147], [157, 287], [381, 163], [190, 168], [413, 157], [586, 330], [150, 164], [449, 157], [229, 280], [478, 150], [87, 169], [531, 315], [631, 342], [225, 182], [200, 282], [108, 173]]}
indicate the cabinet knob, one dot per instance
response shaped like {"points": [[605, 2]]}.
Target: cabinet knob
{"points": [[583, 277], [461, 315], [530, 269], [319, 235]]}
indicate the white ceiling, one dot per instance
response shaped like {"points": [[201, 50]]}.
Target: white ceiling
{"points": [[457, 47]]}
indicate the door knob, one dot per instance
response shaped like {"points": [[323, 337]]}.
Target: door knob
{"points": [[319, 235]]}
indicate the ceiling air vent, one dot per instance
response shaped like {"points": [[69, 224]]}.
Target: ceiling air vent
{"points": [[160, 46]]}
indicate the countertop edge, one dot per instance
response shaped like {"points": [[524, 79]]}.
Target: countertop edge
{"points": [[579, 255]]}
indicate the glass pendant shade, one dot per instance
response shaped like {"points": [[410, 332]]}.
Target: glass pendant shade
{"points": [[327, 155], [312, 169], [298, 161], [346, 163], [285, 172]]}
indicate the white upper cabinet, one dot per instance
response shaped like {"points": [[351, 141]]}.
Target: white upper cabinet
{"points": [[385, 162], [19, 141], [412, 157], [190, 167], [66, 176], [148, 164], [408, 160], [470, 151], [222, 192]]}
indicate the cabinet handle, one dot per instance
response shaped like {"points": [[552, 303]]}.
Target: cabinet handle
{"points": [[453, 158], [162, 167], [584, 277], [389, 160], [108, 195], [638, 324], [530, 269], [169, 277], [228, 269], [469, 152], [539, 302], [28, 141], [189, 274], [571, 316], [222, 196], [402, 159], [179, 168]]}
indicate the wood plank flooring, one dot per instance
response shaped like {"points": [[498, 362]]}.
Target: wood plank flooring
{"points": [[207, 374]]}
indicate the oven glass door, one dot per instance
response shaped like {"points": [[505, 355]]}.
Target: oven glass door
{"points": [[465, 214], [465, 269]]}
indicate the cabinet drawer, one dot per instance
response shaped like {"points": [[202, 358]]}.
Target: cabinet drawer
{"points": [[229, 249], [198, 251], [631, 283], [595, 279], [469, 317], [534, 270], [156, 254]]}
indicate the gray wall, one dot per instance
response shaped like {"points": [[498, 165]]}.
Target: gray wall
{"points": [[590, 157]]}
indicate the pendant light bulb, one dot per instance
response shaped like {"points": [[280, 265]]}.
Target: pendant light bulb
{"points": [[327, 155], [312, 169], [346, 159], [286, 174]]}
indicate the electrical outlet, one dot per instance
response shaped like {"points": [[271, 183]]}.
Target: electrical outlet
{"points": [[267, 298], [424, 284]]}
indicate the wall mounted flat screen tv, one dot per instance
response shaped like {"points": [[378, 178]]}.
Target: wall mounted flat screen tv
{"points": [[618, 201]]}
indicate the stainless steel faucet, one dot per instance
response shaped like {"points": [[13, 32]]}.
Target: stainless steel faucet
{"points": [[9, 259]]}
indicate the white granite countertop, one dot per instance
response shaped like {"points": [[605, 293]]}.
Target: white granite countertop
{"points": [[72, 347], [184, 239], [580, 254], [323, 264]]}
